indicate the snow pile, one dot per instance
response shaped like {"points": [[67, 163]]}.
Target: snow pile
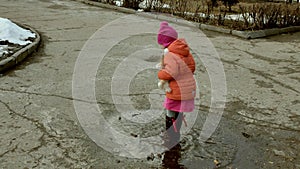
{"points": [[144, 4], [3, 50], [12, 33], [119, 3]]}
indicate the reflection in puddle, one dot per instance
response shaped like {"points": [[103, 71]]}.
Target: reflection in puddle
{"points": [[171, 158]]}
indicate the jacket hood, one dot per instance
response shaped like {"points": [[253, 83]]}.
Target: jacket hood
{"points": [[180, 47]]}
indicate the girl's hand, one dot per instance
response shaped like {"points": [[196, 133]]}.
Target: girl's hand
{"points": [[160, 85], [168, 89], [158, 66]]}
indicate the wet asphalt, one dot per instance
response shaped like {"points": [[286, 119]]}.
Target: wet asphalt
{"points": [[40, 128]]}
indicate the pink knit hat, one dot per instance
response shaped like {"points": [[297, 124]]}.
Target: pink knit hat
{"points": [[166, 34]]}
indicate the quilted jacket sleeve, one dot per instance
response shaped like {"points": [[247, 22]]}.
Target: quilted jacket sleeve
{"points": [[170, 69], [192, 64]]}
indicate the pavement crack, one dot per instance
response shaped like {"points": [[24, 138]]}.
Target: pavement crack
{"points": [[70, 28], [75, 99], [67, 40], [43, 139], [261, 73], [268, 76], [263, 123], [235, 107], [38, 161], [53, 95], [264, 58], [8, 151], [296, 78], [261, 57], [39, 125]]}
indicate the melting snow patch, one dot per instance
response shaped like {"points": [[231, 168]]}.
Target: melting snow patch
{"points": [[119, 3], [3, 50], [12, 33], [147, 3]]}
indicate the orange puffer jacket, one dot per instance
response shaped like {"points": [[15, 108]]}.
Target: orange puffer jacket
{"points": [[178, 69]]}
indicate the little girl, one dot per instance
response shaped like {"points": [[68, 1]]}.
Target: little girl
{"points": [[178, 69]]}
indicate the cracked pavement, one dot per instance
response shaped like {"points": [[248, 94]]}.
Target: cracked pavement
{"points": [[260, 127]]}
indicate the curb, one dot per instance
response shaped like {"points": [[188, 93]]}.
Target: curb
{"points": [[22, 53], [108, 6], [215, 28], [171, 19], [251, 34], [180, 21], [265, 33]]}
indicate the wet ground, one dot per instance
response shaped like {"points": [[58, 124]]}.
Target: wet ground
{"points": [[40, 128]]}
